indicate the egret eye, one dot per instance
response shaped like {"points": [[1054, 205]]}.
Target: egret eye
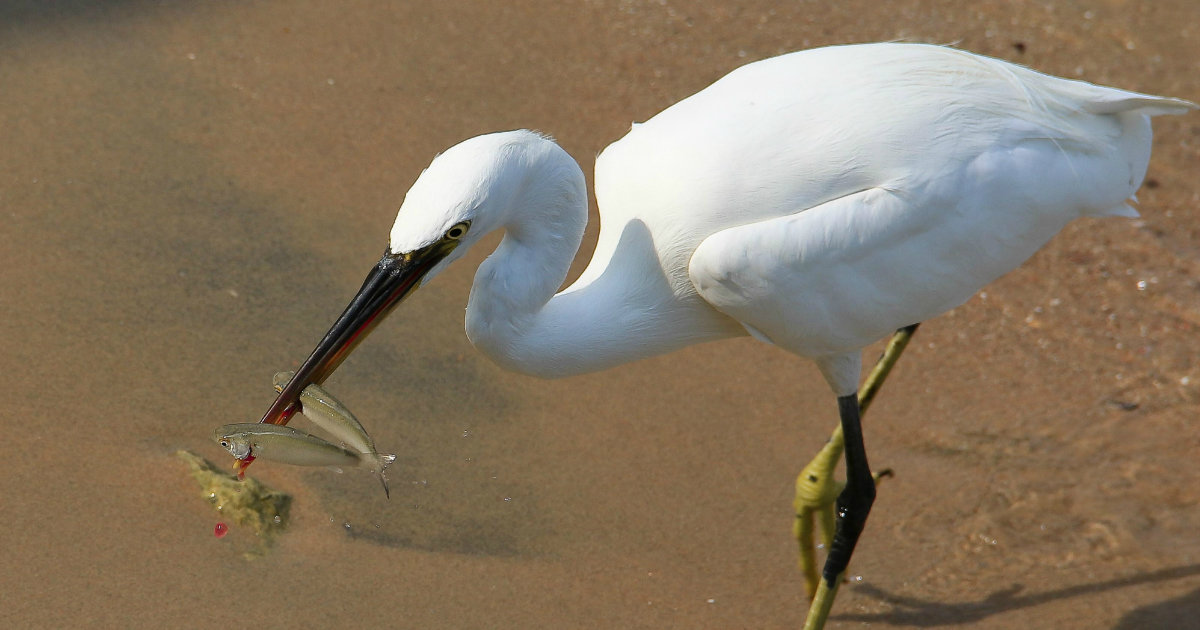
{"points": [[458, 230]]}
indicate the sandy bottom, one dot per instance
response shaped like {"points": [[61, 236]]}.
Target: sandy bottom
{"points": [[190, 191]]}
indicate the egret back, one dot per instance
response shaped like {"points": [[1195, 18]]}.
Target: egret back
{"points": [[783, 135]]}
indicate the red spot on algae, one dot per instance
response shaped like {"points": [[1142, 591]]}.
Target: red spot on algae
{"points": [[220, 530]]}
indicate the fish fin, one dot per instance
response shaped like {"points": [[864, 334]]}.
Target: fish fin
{"points": [[385, 460]]}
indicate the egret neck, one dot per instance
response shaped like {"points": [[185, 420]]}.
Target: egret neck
{"points": [[624, 307]]}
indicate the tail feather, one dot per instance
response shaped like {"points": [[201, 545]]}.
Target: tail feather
{"points": [[1119, 102]]}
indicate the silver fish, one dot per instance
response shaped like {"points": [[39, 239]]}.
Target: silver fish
{"points": [[290, 446], [330, 414], [327, 412]]}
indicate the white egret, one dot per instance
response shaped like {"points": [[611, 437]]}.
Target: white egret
{"points": [[816, 201]]}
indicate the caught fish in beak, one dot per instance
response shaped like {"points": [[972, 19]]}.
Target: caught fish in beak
{"points": [[394, 278], [287, 445]]}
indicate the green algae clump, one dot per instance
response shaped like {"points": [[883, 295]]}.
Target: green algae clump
{"points": [[249, 503]]}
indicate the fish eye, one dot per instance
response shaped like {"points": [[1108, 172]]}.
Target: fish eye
{"points": [[458, 230], [225, 443]]}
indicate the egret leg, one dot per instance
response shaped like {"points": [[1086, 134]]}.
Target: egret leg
{"points": [[853, 506], [854, 502], [815, 502], [816, 489]]}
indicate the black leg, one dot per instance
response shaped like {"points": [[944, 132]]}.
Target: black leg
{"points": [[854, 503]]}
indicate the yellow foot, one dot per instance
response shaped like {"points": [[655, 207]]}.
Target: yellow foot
{"points": [[816, 496]]}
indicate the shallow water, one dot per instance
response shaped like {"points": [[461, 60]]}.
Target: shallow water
{"points": [[191, 192]]}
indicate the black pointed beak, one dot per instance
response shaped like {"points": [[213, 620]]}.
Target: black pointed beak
{"points": [[394, 278]]}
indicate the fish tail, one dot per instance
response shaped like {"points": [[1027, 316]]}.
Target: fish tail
{"points": [[385, 460]]}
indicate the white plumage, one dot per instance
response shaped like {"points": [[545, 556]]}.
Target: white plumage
{"points": [[817, 200]]}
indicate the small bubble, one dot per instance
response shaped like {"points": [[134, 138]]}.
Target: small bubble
{"points": [[711, 600], [277, 519], [346, 525], [1141, 285], [507, 499]]}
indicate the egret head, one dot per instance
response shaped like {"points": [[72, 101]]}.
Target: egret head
{"points": [[470, 186], [465, 193]]}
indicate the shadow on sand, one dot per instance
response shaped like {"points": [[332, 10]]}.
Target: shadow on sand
{"points": [[911, 611]]}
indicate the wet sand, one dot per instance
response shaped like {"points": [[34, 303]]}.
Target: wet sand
{"points": [[192, 190]]}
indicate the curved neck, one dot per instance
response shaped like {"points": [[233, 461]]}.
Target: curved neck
{"points": [[625, 310], [545, 215]]}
